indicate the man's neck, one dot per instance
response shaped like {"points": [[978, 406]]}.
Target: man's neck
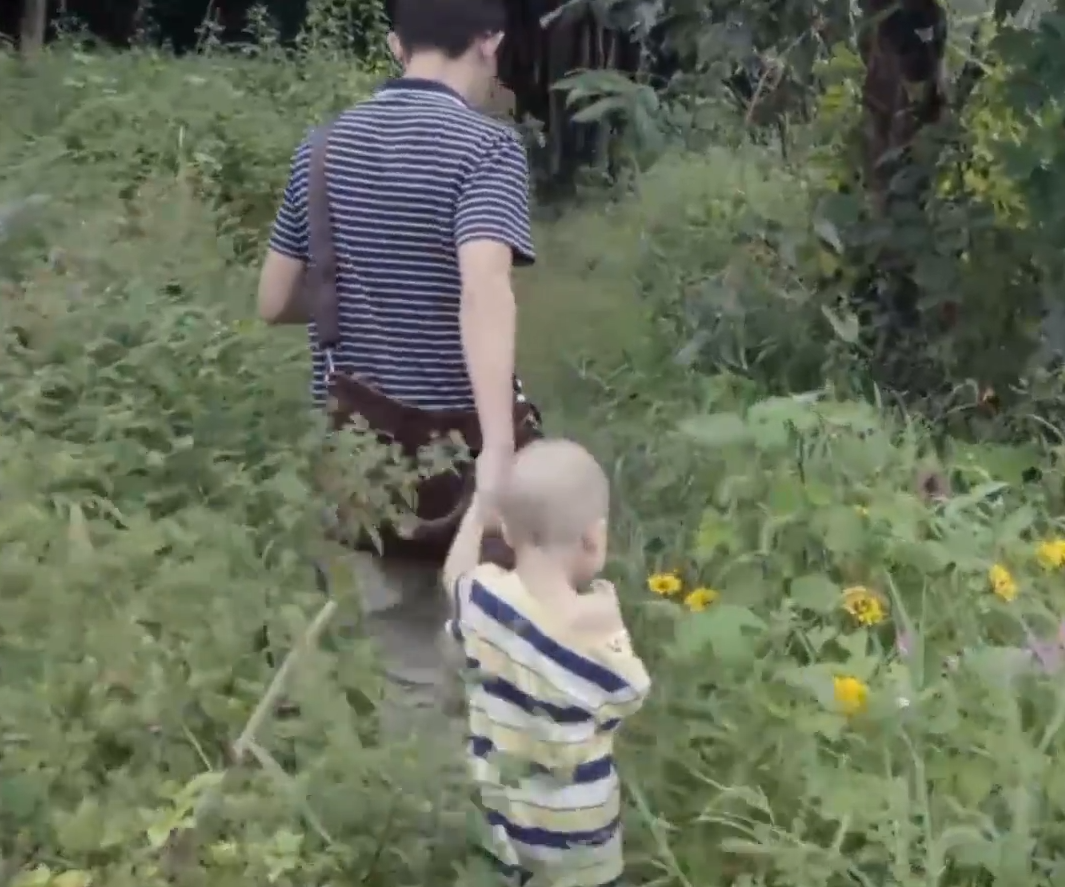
{"points": [[440, 69]]}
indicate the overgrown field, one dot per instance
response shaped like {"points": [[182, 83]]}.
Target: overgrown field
{"points": [[855, 627]]}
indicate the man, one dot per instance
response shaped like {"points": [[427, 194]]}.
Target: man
{"points": [[429, 202]]}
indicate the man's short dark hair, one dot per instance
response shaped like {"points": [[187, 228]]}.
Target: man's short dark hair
{"points": [[447, 26]]}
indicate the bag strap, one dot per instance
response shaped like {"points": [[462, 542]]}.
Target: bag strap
{"points": [[322, 270]]}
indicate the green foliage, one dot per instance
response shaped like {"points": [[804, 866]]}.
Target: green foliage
{"points": [[157, 466], [985, 272], [785, 508], [954, 282], [158, 458], [722, 271], [780, 508]]}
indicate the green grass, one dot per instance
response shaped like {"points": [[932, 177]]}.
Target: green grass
{"points": [[583, 298]]}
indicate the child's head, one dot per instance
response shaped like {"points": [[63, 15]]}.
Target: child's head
{"points": [[556, 500]]}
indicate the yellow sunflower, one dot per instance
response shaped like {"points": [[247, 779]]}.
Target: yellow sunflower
{"points": [[1002, 582], [700, 599], [665, 584], [1051, 554], [851, 694], [863, 605]]}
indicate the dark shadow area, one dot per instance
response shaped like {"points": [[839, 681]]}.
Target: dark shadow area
{"points": [[178, 24]]}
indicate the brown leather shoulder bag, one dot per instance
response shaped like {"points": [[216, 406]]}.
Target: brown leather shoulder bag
{"points": [[441, 500]]}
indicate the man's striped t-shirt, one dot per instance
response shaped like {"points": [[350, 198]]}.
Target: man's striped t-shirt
{"points": [[543, 710], [412, 174]]}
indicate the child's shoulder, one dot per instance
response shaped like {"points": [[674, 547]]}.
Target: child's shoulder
{"points": [[594, 615], [489, 572], [490, 576], [492, 583]]}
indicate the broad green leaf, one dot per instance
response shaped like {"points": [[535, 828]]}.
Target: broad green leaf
{"points": [[844, 532], [20, 795], [816, 592], [929, 557], [819, 494], [787, 495], [600, 108], [726, 631], [1017, 524], [819, 635], [82, 831], [815, 679], [999, 462], [715, 531], [72, 878], [39, 876], [852, 414], [195, 787], [745, 583], [772, 419], [959, 505], [717, 429], [855, 644]]}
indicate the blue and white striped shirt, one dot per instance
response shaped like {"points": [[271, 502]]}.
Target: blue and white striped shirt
{"points": [[543, 709], [412, 174]]}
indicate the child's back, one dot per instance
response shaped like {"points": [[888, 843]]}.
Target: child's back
{"points": [[550, 676]]}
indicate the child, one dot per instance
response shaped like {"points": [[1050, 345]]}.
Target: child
{"points": [[550, 672]]}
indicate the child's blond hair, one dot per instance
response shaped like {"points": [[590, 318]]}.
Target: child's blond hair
{"points": [[555, 493]]}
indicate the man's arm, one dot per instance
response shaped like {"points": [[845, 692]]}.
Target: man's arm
{"points": [[488, 320], [281, 290], [281, 281], [492, 234]]}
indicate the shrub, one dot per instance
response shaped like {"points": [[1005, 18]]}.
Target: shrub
{"points": [[721, 272], [159, 511], [856, 652]]}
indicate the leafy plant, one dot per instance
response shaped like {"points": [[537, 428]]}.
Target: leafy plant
{"points": [[853, 619]]}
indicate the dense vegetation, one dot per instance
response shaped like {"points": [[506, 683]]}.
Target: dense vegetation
{"points": [[851, 601]]}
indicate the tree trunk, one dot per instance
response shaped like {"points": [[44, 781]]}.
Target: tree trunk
{"points": [[903, 93], [32, 26]]}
